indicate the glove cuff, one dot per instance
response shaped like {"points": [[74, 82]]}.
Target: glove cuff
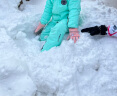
{"points": [[103, 29]]}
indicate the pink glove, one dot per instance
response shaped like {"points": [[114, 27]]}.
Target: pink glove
{"points": [[73, 34], [39, 27]]}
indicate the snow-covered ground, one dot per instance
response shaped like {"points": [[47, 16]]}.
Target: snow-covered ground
{"points": [[112, 3], [87, 68]]}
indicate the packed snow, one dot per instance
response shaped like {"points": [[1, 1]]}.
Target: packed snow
{"points": [[87, 68], [113, 3]]}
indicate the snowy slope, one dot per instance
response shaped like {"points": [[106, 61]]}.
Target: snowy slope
{"points": [[88, 67]]}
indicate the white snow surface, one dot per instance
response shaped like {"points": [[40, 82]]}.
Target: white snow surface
{"points": [[87, 68]]}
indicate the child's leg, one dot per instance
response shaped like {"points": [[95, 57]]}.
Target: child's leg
{"points": [[46, 31], [56, 35]]}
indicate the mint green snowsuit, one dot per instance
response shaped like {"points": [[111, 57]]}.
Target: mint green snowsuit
{"points": [[63, 18]]}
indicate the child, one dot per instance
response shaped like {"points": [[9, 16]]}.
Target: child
{"points": [[102, 30], [65, 17]]}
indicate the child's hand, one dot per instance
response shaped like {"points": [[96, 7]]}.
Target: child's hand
{"points": [[39, 27], [73, 34]]}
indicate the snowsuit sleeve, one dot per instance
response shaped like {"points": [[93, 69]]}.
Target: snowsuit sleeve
{"points": [[74, 12], [47, 12]]}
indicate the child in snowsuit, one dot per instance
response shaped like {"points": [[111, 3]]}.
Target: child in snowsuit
{"points": [[63, 16], [102, 30]]}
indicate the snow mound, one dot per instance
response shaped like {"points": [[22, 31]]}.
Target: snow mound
{"points": [[14, 78], [85, 68]]}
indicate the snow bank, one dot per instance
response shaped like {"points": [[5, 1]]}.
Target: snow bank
{"points": [[14, 78], [85, 68]]}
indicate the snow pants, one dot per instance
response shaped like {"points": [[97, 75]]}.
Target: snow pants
{"points": [[53, 33]]}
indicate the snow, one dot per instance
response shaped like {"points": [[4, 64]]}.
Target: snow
{"points": [[87, 68], [113, 3]]}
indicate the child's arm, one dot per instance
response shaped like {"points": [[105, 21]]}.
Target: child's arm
{"points": [[45, 16], [74, 12], [47, 12]]}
